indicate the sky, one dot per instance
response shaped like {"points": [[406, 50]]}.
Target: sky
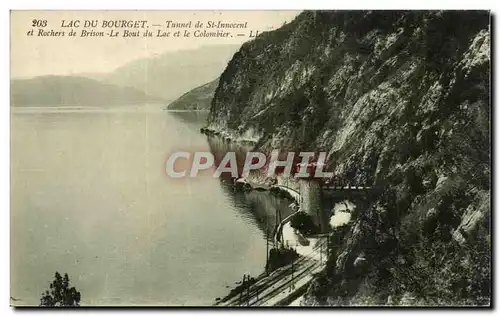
{"points": [[44, 55]]}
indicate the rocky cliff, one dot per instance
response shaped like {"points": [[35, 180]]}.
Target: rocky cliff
{"points": [[399, 100]]}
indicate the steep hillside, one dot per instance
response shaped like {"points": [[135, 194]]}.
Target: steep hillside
{"points": [[172, 74], [77, 91], [400, 100], [197, 99]]}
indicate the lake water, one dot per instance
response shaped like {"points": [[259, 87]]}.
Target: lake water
{"points": [[89, 197]]}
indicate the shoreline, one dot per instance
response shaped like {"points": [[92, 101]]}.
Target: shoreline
{"points": [[227, 136], [168, 110], [286, 284]]}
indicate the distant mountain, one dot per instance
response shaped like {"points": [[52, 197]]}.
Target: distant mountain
{"points": [[77, 91], [197, 99], [172, 74]]}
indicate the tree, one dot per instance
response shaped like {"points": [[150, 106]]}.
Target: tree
{"points": [[60, 293], [303, 223]]}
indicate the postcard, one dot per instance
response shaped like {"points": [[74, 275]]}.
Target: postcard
{"points": [[250, 158]]}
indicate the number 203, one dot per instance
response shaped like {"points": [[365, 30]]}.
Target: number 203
{"points": [[39, 23]]}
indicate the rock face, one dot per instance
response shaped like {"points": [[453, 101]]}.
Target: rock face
{"points": [[399, 100]]}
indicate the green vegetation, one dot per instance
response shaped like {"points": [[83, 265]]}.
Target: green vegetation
{"points": [[281, 193], [60, 294], [240, 289], [280, 257], [303, 222]]}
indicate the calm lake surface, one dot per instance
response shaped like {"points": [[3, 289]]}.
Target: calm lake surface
{"points": [[89, 196]]}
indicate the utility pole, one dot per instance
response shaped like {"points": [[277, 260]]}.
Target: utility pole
{"points": [[276, 217], [248, 290], [279, 221], [267, 249], [242, 289], [321, 253], [328, 246], [276, 225]]}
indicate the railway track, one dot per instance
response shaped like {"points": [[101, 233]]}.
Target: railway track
{"points": [[269, 287]]}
